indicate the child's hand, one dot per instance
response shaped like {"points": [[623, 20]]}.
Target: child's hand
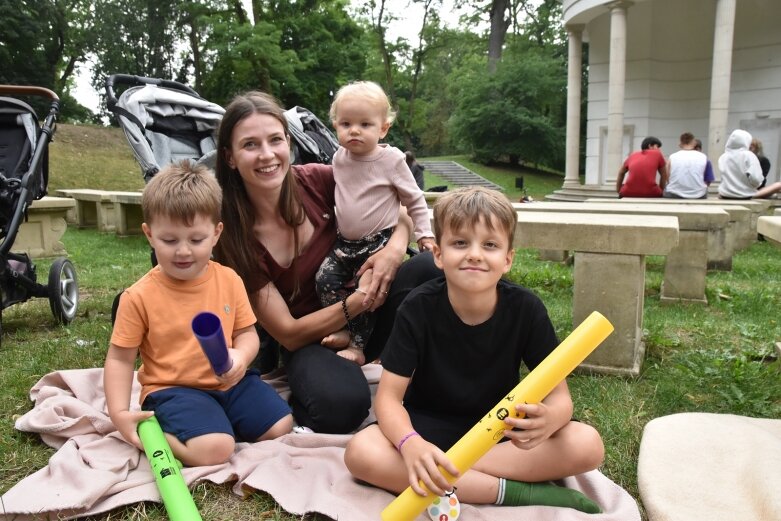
{"points": [[237, 370], [426, 243], [536, 426], [421, 459], [126, 423]]}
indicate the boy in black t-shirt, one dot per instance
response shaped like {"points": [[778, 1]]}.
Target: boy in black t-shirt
{"points": [[455, 350]]}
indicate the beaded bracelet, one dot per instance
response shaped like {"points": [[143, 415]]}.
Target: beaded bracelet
{"points": [[405, 438], [347, 316]]}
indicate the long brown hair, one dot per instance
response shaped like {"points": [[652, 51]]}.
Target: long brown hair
{"points": [[237, 247]]}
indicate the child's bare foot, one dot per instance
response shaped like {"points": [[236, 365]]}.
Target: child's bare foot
{"points": [[353, 354], [339, 339]]}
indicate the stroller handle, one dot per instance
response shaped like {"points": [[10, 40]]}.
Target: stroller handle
{"points": [[131, 81], [25, 90]]}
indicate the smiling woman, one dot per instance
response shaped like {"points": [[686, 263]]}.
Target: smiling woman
{"points": [[280, 226]]}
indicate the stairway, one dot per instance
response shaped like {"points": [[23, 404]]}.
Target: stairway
{"points": [[457, 174]]}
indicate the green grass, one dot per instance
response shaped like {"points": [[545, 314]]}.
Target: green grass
{"points": [[714, 358]]}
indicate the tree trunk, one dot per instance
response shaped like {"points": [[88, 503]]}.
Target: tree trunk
{"points": [[499, 24]]}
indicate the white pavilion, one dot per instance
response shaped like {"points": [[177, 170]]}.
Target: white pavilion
{"points": [[663, 67]]}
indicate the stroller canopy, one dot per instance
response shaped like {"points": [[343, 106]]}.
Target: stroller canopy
{"points": [[164, 126]]}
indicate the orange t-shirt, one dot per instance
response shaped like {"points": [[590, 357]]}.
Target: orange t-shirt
{"points": [[155, 315]]}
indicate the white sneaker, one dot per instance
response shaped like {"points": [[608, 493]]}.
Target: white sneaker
{"points": [[300, 429]]}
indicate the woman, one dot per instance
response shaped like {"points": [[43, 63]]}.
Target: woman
{"points": [[279, 226]]}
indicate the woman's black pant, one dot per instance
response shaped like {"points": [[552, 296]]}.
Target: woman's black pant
{"points": [[329, 393]]}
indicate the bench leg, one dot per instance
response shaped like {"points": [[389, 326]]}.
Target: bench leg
{"points": [[129, 219], [685, 269], [106, 217], [721, 246], [614, 285], [86, 213]]}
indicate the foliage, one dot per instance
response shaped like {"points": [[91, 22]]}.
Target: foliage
{"points": [[515, 113]]}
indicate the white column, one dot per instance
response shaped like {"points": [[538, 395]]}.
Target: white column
{"points": [[721, 76], [616, 86], [574, 72]]}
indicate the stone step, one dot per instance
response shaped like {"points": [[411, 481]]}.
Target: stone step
{"points": [[458, 175]]}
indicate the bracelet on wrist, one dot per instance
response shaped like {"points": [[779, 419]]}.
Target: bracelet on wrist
{"points": [[347, 316], [405, 438]]}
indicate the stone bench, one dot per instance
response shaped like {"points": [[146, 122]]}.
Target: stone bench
{"points": [[738, 233], [46, 223], [746, 232], [686, 265], [127, 211], [770, 228], [609, 273], [102, 209], [94, 208]]}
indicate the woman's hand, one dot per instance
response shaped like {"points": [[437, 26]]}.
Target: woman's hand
{"points": [[383, 266], [423, 460]]}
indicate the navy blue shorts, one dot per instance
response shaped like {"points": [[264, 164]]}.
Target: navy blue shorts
{"points": [[245, 411]]}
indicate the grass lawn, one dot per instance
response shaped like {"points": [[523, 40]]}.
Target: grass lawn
{"points": [[714, 358]]}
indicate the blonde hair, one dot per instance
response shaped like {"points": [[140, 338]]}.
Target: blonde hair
{"points": [[756, 146], [181, 191], [367, 90], [466, 207]]}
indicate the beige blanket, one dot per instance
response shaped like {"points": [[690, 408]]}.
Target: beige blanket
{"points": [[714, 467], [94, 470]]}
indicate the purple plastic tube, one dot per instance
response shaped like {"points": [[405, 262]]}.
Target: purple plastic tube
{"points": [[208, 330]]}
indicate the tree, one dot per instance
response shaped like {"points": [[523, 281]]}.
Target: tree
{"points": [[41, 43], [518, 113]]}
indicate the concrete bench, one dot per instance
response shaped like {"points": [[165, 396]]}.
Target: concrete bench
{"points": [[738, 232], [770, 228], [103, 209], [127, 211], [745, 234], [94, 208], [687, 263], [40, 235], [609, 273]]}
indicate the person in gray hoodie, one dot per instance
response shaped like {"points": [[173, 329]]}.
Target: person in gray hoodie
{"points": [[741, 173]]}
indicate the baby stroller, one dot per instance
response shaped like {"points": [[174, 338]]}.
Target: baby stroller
{"points": [[164, 121], [23, 179]]}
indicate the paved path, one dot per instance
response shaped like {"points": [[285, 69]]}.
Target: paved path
{"points": [[458, 175]]}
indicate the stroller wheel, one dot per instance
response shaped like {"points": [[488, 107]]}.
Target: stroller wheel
{"points": [[63, 290]]}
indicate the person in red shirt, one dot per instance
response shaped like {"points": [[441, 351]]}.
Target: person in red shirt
{"points": [[642, 167]]}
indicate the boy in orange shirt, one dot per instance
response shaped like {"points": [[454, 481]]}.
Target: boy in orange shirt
{"points": [[202, 414]]}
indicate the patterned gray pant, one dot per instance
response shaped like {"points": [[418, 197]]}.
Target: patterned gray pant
{"points": [[338, 271]]}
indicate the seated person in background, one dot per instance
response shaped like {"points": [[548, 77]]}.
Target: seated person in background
{"points": [[416, 168], [372, 179], [764, 162], [741, 173], [642, 167], [690, 171], [202, 414], [455, 350]]}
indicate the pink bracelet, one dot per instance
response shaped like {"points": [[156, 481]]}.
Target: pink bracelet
{"points": [[405, 438]]}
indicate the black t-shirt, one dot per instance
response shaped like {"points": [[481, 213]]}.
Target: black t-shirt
{"points": [[464, 370]]}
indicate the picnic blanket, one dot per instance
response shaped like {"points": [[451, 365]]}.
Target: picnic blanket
{"points": [[719, 467], [94, 470]]}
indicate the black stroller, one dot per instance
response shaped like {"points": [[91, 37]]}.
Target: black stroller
{"points": [[23, 179]]}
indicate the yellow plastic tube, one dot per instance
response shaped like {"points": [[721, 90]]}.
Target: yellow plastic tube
{"points": [[489, 430]]}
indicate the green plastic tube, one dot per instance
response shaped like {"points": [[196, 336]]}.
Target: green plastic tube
{"points": [[176, 496]]}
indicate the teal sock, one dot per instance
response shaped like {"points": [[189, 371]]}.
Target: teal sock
{"points": [[520, 493]]}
